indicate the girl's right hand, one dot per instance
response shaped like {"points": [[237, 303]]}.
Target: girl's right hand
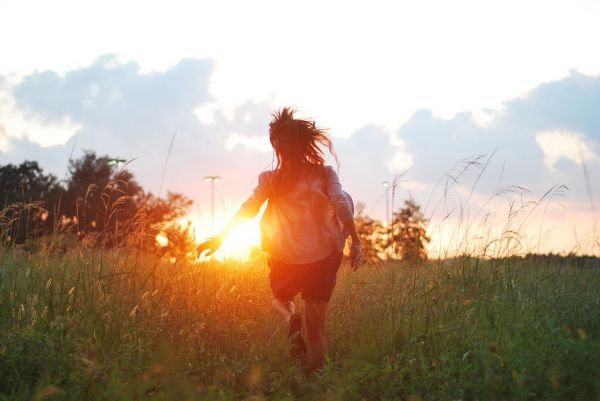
{"points": [[211, 245], [355, 255]]}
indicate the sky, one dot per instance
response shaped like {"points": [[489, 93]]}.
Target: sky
{"points": [[484, 112]]}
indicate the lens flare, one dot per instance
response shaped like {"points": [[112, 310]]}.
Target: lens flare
{"points": [[161, 239], [242, 241]]}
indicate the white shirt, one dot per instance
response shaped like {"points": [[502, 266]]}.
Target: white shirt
{"points": [[305, 224]]}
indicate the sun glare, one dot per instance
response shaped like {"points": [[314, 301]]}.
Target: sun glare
{"points": [[161, 239], [239, 244]]}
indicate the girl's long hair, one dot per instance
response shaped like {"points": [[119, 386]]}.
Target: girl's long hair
{"points": [[296, 143]]}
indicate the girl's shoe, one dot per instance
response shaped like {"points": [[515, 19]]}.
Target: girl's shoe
{"points": [[297, 344]]}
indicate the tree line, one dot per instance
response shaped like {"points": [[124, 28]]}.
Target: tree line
{"points": [[101, 203], [404, 238]]}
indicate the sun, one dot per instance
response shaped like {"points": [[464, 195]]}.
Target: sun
{"points": [[241, 242]]}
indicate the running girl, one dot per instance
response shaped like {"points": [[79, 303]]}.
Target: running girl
{"points": [[303, 229]]}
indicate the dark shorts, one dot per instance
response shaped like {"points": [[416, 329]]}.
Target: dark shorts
{"points": [[315, 281]]}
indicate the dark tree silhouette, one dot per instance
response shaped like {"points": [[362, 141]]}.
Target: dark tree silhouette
{"points": [[29, 200], [409, 235], [160, 211], [102, 203], [158, 215], [101, 196], [25, 183]]}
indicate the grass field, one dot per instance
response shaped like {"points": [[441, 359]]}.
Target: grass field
{"points": [[120, 325]]}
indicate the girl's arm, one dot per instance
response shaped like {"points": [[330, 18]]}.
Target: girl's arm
{"points": [[214, 243], [344, 210], [248, 210]]}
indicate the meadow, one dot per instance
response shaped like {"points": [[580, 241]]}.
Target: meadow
{"points": [[82, 323]]}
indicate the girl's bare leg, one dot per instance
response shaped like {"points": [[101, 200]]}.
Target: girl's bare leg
{"points": [[285, 308], [315, 334]]}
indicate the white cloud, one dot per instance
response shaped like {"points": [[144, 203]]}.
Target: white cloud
{"points": [[561, 144], [208, 113], [4, 142], [16, 125], [485, 118], [402, 159], [400, 162], [396, 62]]}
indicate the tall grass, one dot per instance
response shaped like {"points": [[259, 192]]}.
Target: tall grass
{"points": [[482, 321], [497, 222], [118, 324]]}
